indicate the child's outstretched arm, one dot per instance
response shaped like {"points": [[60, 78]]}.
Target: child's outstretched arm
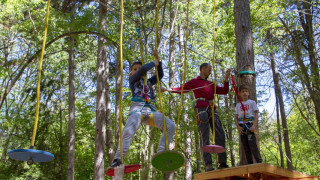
{"points": [[142, 71]]}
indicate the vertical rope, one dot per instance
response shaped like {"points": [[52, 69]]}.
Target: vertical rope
{"points": [[214, 71], [121, 82], [158, 80], [39, 76], [140, 41], [184, 75], [141, 50]]}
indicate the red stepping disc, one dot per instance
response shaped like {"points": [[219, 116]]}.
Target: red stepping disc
{"points": [[213, 149], [127, 169]]}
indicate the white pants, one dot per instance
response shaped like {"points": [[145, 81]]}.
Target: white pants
{"points": [[133, 123]]}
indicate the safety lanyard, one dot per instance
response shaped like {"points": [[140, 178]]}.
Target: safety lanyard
{"points": [[235, 90]]}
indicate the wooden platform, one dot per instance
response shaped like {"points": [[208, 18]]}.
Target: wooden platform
{"points": [[253, 172]]}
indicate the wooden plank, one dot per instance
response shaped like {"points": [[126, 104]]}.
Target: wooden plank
{"points": [[253, 171], [284, 172]]}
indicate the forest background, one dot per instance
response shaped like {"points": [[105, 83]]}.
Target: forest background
{"points": [[83, 37]]}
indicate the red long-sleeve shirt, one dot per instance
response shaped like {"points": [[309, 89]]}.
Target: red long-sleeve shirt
{"points": [[202, 88]]}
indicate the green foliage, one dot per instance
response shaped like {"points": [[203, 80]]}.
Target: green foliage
{"points": [[304, 142], [21, 34]]}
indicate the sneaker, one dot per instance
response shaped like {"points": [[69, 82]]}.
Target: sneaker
{"points": [[209, 167], [115, 163], [223, 165]]}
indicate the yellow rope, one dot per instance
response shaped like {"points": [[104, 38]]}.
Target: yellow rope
{"points": [[121, 84], [184, 75], [141, 49], [214, 72], [141, 54], [158, 80], [39, 76]]}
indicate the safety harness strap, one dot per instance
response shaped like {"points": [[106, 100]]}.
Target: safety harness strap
{"points": [[204, 99]]}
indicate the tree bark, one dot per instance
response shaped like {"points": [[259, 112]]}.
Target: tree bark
{"points": [[279, 100], [244, 54], [306, 20], [61, 144], [305, 78], [146, 159], [197, 150], [282, 111], [152, 172], [109, 127], [230, 131], [188, 146], [279, 133], [71, 127], [101, 109], [172, 51], [118, 79], [172, 57]]}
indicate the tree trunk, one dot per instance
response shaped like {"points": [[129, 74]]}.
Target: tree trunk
{"points": [[305, 77], [61, 145], [244, 45], [109, 127], [244, 54], [282, 112], [101, 109], [181, 47], [118, 79], [71, 126], [306, 15], [230, 131], [172, 51], [279, 134], [281, 104], [197, 150], [188, 147], [152, 172], [172, 58], [146, 160]]}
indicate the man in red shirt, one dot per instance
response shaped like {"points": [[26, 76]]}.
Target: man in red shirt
{"points": [[203, 91]]}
